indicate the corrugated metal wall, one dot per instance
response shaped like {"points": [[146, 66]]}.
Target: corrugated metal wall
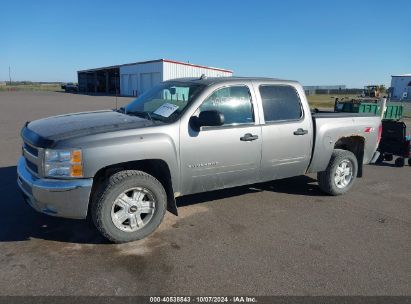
{"points": [[401, 85], [177, 70], [137, 78]]}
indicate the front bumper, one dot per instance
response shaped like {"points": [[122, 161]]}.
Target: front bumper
{"points": [[62, 198]]}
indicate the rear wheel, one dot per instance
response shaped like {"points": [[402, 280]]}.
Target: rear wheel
{"points": [[388, 157], [340, 174], [399, 162], [409, 162], [131, 206]]}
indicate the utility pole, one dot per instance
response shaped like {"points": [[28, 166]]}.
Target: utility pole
{"points": [[9, 75]]}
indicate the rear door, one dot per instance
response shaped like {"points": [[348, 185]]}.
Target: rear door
{"points": [[286, 130]]}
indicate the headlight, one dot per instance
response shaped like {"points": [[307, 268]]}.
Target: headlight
{"points": [[63, 163]]}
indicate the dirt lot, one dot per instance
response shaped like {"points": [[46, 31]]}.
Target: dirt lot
{"points": [[278, 238]]}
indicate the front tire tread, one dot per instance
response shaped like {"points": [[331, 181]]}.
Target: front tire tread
{"points": [[99, 218]]}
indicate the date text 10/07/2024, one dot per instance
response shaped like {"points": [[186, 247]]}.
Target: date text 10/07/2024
{"points": [[201, 299]]}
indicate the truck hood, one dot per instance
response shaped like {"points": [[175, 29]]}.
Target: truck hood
{"points": [[45, 132]]}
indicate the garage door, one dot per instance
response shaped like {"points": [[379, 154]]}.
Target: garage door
{"points": [[134, 84], [149, 80], [124, 85], [145, 82], [155, 79]]}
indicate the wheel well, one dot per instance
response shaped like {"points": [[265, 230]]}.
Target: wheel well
{"points": [[155, 167], [354, 144]]}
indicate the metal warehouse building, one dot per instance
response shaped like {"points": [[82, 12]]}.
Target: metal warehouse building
{"points": [[401, 87], [134, 79]]}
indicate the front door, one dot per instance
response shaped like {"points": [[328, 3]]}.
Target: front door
{"points": [[224, 156]]}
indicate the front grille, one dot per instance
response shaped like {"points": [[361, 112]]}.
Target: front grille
{"points": [[32, 150], [32, 156], [33, 167]]}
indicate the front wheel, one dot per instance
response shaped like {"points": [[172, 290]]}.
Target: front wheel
{"points": [[340, 174], [131, 206]]}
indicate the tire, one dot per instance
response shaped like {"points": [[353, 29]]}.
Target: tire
{"points": [[327, 180], [409, 162], [399, 162], [389, 157], [150, 196]]}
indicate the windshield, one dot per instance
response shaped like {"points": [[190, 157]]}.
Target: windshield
{"points": [[165, 102]]}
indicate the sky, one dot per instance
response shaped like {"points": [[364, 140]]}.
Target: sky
{"points": [[315, 42]]}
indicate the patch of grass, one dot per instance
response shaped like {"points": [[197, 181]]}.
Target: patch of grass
{"points": [[31, 87]]}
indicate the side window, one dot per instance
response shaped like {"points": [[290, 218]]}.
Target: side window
{"points": [[280, 103], [234, 102]]}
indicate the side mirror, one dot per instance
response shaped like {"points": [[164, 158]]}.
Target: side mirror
{"points": [[207, 119]]}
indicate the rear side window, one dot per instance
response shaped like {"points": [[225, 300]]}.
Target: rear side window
{"points": [[234, 102], [280, 103]]}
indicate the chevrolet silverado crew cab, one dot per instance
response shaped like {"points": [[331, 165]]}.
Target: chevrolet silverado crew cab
{"points": [[124, 168]]}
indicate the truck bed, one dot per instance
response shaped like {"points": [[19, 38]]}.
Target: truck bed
{"points": [[330, 127]]}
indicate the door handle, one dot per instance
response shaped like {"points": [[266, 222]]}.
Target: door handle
{"points": [[300, 132], [249, 137]]}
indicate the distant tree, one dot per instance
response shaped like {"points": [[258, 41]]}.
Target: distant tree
{"points": [[382, 88]]}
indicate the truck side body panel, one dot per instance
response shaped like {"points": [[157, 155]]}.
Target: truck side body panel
{"points": [[332, 128], [107, 149]]}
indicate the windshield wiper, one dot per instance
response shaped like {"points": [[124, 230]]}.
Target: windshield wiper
{"points": [[121, 110], [142, 114]]}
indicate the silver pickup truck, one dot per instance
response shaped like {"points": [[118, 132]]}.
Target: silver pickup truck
{"points": [[124, 168]]}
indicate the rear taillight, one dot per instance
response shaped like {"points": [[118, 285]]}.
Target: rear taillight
{"points": [[379, 133]]}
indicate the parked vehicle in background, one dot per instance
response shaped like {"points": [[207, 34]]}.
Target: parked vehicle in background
{"points": [[70, 87], [124, 168]]}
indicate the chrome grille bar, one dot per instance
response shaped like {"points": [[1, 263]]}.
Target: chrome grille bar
{"points": [[32, 156]]}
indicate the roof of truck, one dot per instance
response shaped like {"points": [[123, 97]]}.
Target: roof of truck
{"points": [[213, 80]]}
